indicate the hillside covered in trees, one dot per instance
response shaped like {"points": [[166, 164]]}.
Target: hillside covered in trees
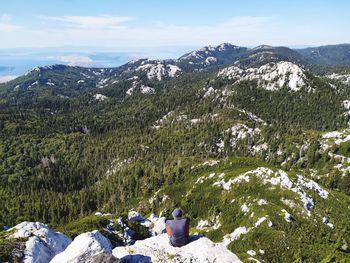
{"points": [[230, 134]]}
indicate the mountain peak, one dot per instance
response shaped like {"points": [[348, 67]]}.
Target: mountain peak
{"points": [[225, 46], [210, 48], [263, 47], [212, 55], [49, 67]]}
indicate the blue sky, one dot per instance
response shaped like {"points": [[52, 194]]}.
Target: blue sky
{"points": [[111, 32], [141, 24]]}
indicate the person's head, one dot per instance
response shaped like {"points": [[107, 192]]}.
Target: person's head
{"points": [[177, 213]]}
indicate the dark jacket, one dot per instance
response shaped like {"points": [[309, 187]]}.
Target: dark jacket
{"points": [[178, 231]]}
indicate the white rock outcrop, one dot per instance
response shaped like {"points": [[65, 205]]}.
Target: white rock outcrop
{"points": [[336, 137], [281, 178], [158, 226], [272, 76], [88, 247], [157, 70], [42, 244], [100, 97], [158, 249], [344, 78], [237, 133], [242, 230]]}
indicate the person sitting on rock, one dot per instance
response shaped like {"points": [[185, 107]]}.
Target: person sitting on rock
{"points": [[178, 229]]}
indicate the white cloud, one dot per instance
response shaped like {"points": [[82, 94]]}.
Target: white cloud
{"points": [[5, 18], [5, 24], [114, 32], [104, 21], [6, 28], [107, 31], [74, 60], [7, 78]]}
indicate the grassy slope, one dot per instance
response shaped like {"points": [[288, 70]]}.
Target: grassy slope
{"points": [[306, 238]]}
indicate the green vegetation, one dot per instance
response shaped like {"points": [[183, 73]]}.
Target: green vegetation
{"points": [[82, 225], [306, 237], [328, 55], [11, 250], [65, 155], [344, 149]]}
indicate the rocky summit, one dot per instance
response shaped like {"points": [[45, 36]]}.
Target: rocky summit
{"points": [[45, 245]]}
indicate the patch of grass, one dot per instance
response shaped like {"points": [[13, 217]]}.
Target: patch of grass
{"points": [[344, 149], [169, 256], [5, 234], [131, 251], [261, 238], [82, 225], [215, 235]]}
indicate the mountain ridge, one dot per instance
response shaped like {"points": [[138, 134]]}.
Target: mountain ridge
{"points": [[227, 53], [254, 149]]}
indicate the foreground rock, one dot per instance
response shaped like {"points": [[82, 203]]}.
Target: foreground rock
{"points": [[42, 244], [90, 247], [158, 249]]}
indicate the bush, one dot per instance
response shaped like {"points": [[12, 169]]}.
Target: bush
{"points": [[11, 250], [142, 232]]}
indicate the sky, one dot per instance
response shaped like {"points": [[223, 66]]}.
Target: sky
{"points": [[139, 24], [65, 30]]}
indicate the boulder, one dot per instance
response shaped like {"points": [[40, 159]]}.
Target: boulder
{"points": [[90, 247], [42, 243]]}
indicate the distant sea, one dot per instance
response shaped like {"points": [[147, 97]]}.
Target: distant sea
{"points": [[15, 62]]}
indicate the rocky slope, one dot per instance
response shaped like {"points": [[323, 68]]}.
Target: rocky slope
{"points": [[42, 244], [272, 76], [45, 246]]}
